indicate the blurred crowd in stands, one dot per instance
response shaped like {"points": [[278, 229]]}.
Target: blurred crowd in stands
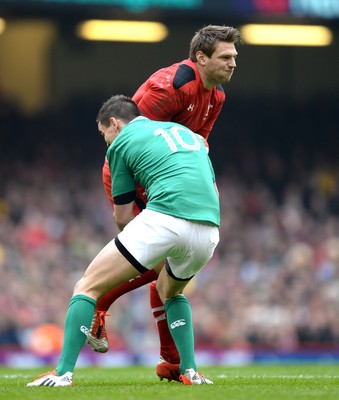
{"points": [[274, 279]]}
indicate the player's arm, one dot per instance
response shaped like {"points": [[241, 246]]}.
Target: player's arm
{"points": [[123, 187], [123, 209], [140, 198]]}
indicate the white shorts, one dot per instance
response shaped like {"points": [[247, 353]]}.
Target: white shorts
{"points": [[152, 237]]}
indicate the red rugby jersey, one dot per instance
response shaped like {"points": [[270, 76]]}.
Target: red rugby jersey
{"points": [[175, 93]]}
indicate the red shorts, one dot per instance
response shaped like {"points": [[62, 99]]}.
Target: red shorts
{"points": [[141, 198]]}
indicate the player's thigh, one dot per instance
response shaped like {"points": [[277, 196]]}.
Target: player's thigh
{"points": [[149, 238], [159, 267], [108, 270]]}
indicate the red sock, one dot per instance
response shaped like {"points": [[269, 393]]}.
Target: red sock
{"points": [[105, 302], [168, 349]]}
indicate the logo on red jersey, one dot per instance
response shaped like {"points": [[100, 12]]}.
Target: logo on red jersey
{"points": [[208, 110]]}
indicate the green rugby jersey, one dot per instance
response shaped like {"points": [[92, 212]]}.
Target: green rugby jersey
{"points": [[171, 163]]}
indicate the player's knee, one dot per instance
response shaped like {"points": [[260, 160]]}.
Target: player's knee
{"points": [[76, 287], [166, 291], [84, 286]]}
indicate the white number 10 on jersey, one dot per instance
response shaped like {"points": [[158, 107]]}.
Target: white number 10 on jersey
{"points": [[173, 138]]}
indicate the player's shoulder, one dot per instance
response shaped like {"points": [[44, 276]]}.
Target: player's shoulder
{"points": [[185, 72], [176, 75]]}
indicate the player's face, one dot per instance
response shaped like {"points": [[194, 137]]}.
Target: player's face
{"points": [[109, 133], [220, 67]]}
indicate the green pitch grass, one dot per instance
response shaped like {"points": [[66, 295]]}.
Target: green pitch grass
{"points": [[299, 382]]}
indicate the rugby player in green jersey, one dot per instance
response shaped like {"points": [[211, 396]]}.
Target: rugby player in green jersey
{"points": [[179, 224]]}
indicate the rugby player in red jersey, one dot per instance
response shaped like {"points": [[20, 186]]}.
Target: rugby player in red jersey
{"points": [[189, 92]]}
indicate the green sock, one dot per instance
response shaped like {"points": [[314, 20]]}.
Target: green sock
{"points": [[179, 319], [77, 324]]}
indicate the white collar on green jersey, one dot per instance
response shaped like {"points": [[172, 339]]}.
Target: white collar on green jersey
{"points": [[138, 119]]}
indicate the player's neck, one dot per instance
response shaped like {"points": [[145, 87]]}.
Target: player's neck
{"points": [[204, 79]]}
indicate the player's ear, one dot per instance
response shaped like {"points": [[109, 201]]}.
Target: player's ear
{"points": [[201, 57], [113, 122]]}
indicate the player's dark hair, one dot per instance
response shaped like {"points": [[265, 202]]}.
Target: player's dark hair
{"points": [[118, 106], [206, 38]]}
